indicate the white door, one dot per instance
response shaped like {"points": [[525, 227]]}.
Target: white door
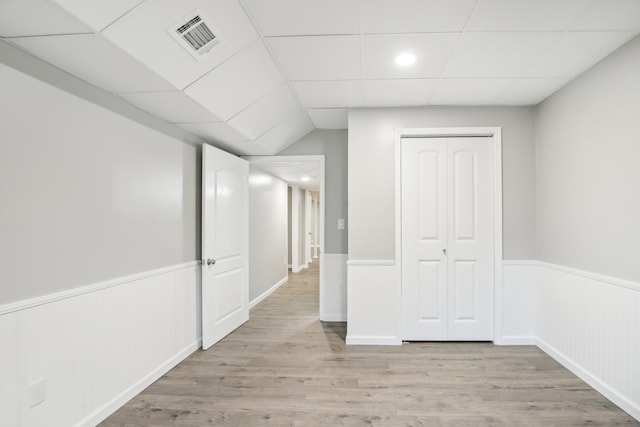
{"points": [[225, 244], [447, 239]]}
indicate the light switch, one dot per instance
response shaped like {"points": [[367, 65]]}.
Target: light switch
{"points": [[341, 224]]}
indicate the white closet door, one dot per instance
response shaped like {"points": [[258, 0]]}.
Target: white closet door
{"points": [[470, 231], [424, 238], [447, 239]]}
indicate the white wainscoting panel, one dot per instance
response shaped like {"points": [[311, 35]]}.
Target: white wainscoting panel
{"points": [[372, 303], [98, 347], [333, 288], [516, 307], [590, 324]]}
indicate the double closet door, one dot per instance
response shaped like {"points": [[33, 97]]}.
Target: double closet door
{"points": [[447, 239]]}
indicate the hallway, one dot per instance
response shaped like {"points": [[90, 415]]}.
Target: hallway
{"points": [[284, 367]]}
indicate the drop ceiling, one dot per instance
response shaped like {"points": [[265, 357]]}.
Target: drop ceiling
{"points": [[285, 67]]}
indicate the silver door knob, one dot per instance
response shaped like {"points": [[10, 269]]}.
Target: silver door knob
{"points": [[211, 261], [444, 251]]}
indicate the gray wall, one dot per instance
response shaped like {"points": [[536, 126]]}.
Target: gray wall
{"points": [[588, 163], [333, 144], [87, 195], [267, 231], [371, 173]]}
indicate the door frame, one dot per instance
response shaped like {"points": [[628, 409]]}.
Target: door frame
{"points": [[495, 133], [256, 160]]}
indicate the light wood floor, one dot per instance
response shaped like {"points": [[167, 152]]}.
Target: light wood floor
{"points": [[285, 368]]}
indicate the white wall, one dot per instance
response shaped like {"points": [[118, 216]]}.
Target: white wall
{"points": [[587, 223], [100, 233], [267, 233]]}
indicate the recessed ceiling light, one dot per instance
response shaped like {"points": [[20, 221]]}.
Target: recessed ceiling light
{"points": [[305, 179], [405, 59]]}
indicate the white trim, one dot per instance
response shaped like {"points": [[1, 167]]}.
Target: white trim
{"points": [[130, 392], [297, 269], [333, 317], [595, 382], [595, 276], [290, 266], [268, 292], [57, 296], [496, 134], [370, 262], [372, 340], [520, 262], [515, 340], [577, 272]]}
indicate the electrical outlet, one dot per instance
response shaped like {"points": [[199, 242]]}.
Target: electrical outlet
{"points": [[341, 224], [37, 392]]}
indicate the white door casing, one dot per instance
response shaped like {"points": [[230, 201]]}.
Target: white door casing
{"points": [[307, 228], [225, 244], [447, 238]]}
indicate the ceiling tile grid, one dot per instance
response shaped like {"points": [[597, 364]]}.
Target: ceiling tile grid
{"points": [[276, 56]]}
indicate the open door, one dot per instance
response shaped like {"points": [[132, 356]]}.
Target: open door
{"points": [[225, 244]]}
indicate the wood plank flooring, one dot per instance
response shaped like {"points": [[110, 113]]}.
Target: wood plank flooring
{"points": [[286, 368]]}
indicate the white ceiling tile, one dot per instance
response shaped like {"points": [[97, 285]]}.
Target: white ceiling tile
{"points": [[216, 131], [574, 52], [266, 112], [98, 13], [397, 93], [305, 17], [37, 18], [319, 57], [528, 91], [328, 118], [144, 33], [175, 107], [525, 15], [286, 133], [328, 94], [610, 15], [414, 16], [497, 54], [92, 58], [431, 50], [237, 83], [467, 91]]}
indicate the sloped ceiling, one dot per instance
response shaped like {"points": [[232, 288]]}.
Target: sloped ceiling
{"points": [[285, 67]]}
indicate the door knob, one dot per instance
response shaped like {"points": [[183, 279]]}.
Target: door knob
{"points": [[444, 251], [211, 261]]}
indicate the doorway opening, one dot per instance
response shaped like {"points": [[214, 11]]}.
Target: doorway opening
{"points": [[305, 177]]}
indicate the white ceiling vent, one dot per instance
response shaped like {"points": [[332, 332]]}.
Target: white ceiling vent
{"points": [[195, 34]]}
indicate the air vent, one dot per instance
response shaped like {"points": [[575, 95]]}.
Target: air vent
{"points": [[195, 34]]}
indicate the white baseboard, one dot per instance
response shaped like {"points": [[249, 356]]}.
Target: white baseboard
{"points": [[613, 395], [110, 407], [297, 269], [333, 317], [268, 292], [515, 340], [372, 340]]}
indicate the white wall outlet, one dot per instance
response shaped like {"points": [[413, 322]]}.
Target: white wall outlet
{"points": [[37, 392], [340, 224]]}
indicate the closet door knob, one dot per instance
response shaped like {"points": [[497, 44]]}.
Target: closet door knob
{"points": [[444, 251]]}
